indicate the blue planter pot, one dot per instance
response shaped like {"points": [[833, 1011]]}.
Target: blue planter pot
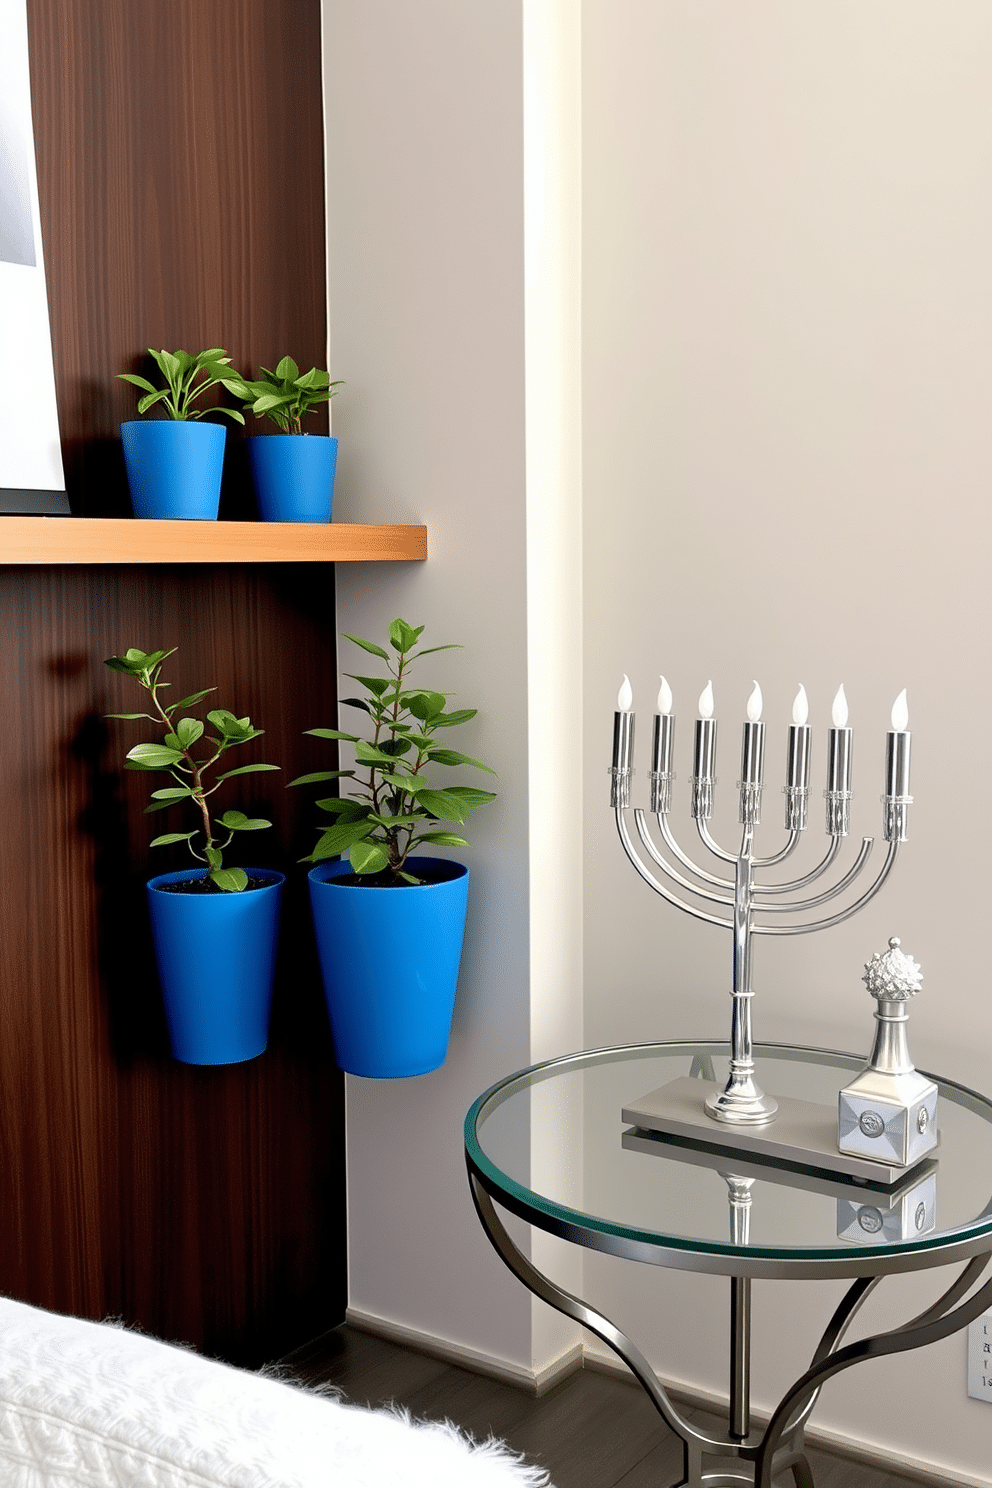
{"points": [[216, 958], [389, 960], [294, 476], [174, 467]]}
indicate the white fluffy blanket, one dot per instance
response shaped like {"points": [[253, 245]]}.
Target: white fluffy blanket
{"points": [[91, 1405]]}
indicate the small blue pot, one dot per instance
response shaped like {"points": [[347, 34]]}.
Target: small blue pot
{"points": [[294, 476], [389, 960], [216, 959], [174, 467]]}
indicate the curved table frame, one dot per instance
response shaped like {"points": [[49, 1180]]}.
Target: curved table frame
{"points": [[780, 1447]]}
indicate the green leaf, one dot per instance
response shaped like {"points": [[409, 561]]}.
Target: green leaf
{"points": [[338, 839], [172, 793], [367, 754], [231, 880], [346, 810], [287, 369], [158, 806], [367, 645], [153, 757], [236, 821], [322, 733], [172, 837], [188, 730], [470, 796], [445, 805], [318, 777], [446, 839], [409, 783], [135, 662], [193, 699], [131, 715], [378, 685], [452, 757], [403, 636], [213, 857], [448, 720], [233, 730], [150, 399], [141, 382], [427, 706], [247, 770], [368, 857]]}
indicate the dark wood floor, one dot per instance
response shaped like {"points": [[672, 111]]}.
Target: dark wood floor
{"points": [[592, 1431]]}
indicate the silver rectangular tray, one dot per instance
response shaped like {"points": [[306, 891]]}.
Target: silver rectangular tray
{"points": [[803, 1132]]}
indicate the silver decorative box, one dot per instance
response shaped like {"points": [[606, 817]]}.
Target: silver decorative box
{"points": [[888, 1113]]}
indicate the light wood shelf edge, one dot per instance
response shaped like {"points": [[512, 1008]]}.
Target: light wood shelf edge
{"points": [[68, 540]]}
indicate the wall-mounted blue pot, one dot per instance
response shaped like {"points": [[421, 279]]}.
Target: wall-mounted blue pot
{"points": [[216, 959], [294, 476], [174, 467], [389, 959]]}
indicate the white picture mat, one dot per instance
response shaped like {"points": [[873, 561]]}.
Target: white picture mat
{"points": [[30, 450]]}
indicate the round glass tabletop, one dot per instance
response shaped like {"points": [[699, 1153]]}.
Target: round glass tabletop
{"points": [[550, 1144]]}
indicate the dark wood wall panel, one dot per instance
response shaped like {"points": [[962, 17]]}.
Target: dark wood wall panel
{"points": [[180, 163], [180, 172]]}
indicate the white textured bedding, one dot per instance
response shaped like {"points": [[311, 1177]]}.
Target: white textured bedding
{"points": [[91, 1405]]}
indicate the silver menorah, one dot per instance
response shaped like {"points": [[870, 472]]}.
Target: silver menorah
{"points": [[744, 903]]}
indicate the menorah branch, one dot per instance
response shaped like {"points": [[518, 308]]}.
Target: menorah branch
{"points": [[843, 914], [798, 905], [659, 888], [673, 873], [673, 847], [807, 878]]}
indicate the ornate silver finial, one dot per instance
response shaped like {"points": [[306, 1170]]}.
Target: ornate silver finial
{"points": [[892, 974]]}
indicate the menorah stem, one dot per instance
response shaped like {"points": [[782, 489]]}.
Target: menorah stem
{"points": [[742, 1102]]}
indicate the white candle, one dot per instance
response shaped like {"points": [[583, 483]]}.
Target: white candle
{"points": [[623, 726], [753, 741], [704, 743], [897, 746], [797, 771], [839, 740], [664, 732]]}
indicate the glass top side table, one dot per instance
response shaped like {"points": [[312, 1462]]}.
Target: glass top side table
{"points": [[689, 1204]]}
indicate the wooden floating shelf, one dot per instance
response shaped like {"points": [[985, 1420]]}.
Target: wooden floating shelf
{"points": [[65, 540]]}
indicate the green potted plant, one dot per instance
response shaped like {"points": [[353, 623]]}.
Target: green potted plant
{"points": [[390, 919], [293, 471], [174, 464], [214, 927]]}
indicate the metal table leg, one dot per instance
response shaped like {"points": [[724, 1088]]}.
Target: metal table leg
{"points": [[747, 1459]]}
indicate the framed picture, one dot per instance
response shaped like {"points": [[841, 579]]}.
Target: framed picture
{"points": [[31, 474]]}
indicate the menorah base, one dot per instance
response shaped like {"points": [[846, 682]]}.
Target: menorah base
{"points": [[741, 1104]]}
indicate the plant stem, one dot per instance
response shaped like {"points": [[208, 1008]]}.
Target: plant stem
{"points": [[199, 795]]}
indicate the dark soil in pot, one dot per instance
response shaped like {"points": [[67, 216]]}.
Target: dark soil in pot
{"points": [[206, 885], [437, 871]]}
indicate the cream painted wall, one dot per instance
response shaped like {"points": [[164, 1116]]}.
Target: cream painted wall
{"points": [[430, 274], [787, 370]]}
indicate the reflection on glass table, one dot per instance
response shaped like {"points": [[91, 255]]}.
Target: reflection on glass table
{"points": [[693, 1204]]}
